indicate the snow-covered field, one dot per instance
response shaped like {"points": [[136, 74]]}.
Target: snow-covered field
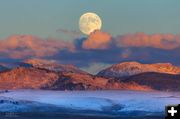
{"points": [[112, 102]]}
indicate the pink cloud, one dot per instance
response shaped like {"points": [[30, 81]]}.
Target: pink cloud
{"points": [[97, 40], [102, 40], [20, 46], [162, 41]]}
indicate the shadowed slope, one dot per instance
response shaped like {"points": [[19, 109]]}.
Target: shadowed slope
{"points": [[158, 81]]}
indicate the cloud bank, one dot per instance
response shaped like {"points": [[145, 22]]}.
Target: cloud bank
{"points": [[162, 41], [98, 48], [23, 46]]}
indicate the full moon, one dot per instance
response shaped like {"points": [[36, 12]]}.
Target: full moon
{"points": [[89, 22]]}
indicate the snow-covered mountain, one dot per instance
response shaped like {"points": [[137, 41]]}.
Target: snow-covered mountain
{"points": [[43, 74], [127, 69], [52, 65]]}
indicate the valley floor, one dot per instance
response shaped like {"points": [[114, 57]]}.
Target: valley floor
{"points": [[40, 104]]}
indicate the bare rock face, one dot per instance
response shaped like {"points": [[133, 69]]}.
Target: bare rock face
{"points": [[127, 69]]}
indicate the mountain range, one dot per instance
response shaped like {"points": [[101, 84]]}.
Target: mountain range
{"points": [[50, 75], [127, 69]]}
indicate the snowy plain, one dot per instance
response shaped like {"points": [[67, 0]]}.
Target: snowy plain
{"points": [[101, 101]]}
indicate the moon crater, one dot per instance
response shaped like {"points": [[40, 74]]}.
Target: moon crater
{"points": [[89, 22]]}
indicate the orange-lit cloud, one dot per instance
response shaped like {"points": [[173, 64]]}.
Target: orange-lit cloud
{"points": [[21, 46], [99, 47], [162, 41], [97, 40], [102, 40]]}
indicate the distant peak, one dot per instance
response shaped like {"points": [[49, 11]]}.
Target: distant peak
{"points": [[133, 68], [53, 65], [36, 61]]}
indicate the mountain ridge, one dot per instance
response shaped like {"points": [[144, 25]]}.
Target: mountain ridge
{"points": [[157, 81], [53, 66], [21, 78], [127, 69], [50, 75]]}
